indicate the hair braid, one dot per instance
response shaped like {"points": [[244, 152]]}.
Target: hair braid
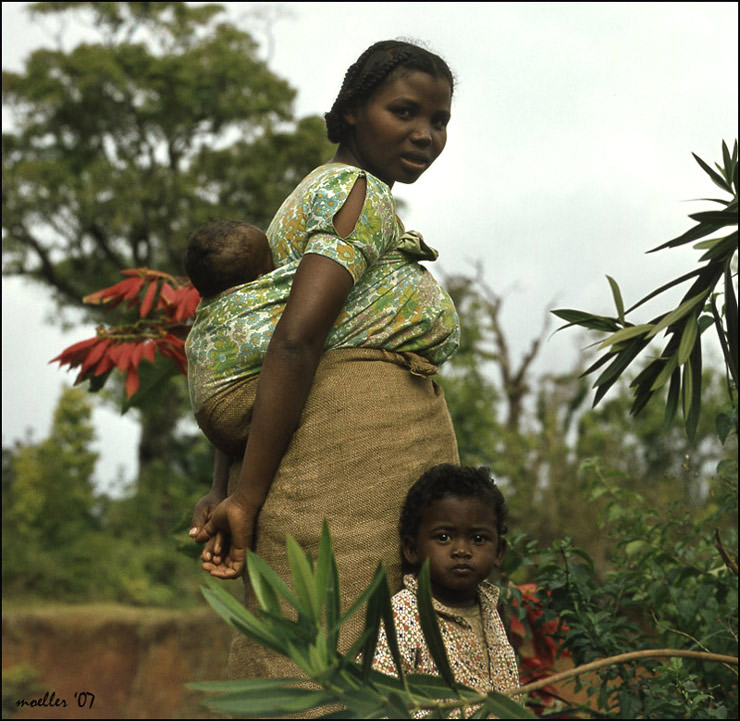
{"points": [[370, 70]]}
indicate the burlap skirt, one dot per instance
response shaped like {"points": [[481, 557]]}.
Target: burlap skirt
{"points": [[374, 421]]}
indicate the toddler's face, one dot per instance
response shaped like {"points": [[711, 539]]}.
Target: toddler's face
{"points": [[459, 536]]}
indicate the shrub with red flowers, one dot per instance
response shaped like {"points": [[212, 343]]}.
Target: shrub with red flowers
{"points": [[166, 305], [536, 642]]}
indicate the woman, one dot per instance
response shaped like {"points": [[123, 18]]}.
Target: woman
{"points": [[342, 434]]}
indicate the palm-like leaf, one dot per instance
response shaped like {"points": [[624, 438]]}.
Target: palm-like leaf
{"points": [[679, 364], [310, 641]]}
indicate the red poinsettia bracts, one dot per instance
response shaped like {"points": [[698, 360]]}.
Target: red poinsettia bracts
{"points": [[536, 642], [166, 305]]}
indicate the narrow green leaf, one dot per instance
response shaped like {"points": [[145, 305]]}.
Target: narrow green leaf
{"points": [[327, 577], [719, 218], [731, 321], [663, 288], [263, 590], [432, 687], [676, 315], [278, 702], [727, 170], [226, 606], [244, 685], [600, 362], [669, 365], [612, 373], [364, 703], [397, 707], [587, 320], [726, 247], [274, 581], [694, 411], [671, 405], [389, 625], [373, 614], [303, 579], [688, 338], [723, 340], [617, 294], [706, 244], [502, 706], [323, 562], [698, 231], [716, 179], [626, 334], [430, 626], [287, 628], [360, 601]]}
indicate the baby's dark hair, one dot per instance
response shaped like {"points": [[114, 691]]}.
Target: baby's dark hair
{"points": [[371, 69], [450, 480], [225, 253]]}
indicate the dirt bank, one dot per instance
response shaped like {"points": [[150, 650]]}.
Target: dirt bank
{"points": [[109, 662]]}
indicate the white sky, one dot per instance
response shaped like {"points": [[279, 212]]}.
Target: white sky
{"points": [[569, 156]]}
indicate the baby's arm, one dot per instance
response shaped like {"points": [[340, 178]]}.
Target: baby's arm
{"points": [[214, 547]]}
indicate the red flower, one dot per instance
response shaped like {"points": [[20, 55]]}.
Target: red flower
{"points": [[166, 307]]}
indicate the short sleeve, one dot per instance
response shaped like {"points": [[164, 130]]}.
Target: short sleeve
{"points": [[374, 234]]}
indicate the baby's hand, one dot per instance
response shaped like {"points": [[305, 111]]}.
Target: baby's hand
{"points": [[202, 514], [236, 523]]}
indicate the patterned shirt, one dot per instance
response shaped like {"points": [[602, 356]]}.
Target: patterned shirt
{"points": [[394, 304], [484, 668]]}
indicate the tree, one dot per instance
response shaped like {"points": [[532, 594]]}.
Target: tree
{"points": [[679, 364], [120, 147], [49, 500]]}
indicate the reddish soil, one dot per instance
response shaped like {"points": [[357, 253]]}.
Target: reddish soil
{"points": [[110, 662]]}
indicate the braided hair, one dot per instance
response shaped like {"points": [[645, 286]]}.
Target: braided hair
{"points": [[370, 70]]}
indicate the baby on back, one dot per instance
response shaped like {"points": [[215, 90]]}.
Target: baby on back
{"points": [[224, 254]]}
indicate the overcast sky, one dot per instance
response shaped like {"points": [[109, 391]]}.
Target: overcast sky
{"points": [[569, 156]]}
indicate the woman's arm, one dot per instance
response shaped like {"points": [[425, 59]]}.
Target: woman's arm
{"points": [[318, 294]]}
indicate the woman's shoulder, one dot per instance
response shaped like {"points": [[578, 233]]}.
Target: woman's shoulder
{"points": [[339, 178]]}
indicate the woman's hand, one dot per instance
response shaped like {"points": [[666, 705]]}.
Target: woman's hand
{"points": [[233, 520]]}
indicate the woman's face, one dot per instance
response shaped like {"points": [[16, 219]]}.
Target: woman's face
{"points": [[402, 128]]}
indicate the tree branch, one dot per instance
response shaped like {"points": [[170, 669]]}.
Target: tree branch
{"points": [[730, 562], [623, 658]]}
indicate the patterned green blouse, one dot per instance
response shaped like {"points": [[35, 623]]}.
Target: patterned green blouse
{"points": [[394, 304]]}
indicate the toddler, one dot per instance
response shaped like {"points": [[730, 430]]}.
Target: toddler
{"points": [[456, 518]]}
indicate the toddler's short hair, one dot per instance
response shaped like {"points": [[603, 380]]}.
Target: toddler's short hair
{"points": [[451, 480]]}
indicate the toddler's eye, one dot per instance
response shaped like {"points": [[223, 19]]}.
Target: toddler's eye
{"points": [[478, 538], [443, 537]]}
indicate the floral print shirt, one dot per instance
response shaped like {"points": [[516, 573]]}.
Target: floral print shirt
{"points": [[395, 303], [489, 668]]}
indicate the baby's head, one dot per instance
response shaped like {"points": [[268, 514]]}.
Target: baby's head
{"points": [[455, 516], [225, 253]]}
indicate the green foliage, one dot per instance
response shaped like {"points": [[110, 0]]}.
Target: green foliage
{"points": [[309, 637], [679, 364], [667, 588], [63, 541], [120, 147], [19, 682]]}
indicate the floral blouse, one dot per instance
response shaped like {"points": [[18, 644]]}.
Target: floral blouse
{"points": [[488, 666], [395, 303]]}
